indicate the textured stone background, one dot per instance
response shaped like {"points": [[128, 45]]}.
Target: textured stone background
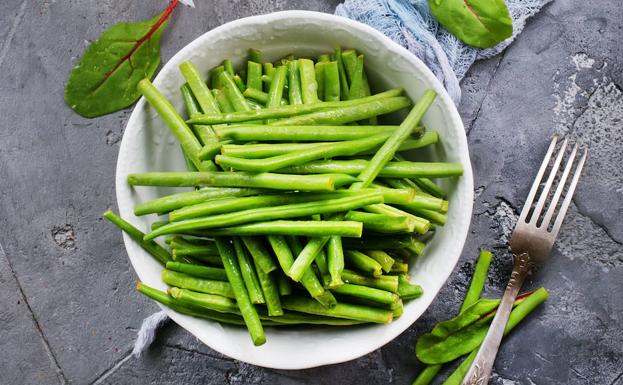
{"points": [[68, 311]]}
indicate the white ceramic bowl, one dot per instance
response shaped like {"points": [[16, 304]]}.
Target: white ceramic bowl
{"points": [[147, 145]]}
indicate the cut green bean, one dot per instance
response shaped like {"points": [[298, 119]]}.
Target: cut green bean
{"points": [[198, 271], [399, 268], [248, 272], [390, 97], [239, 83], [294, 83], [138, 236], [407, 290], [331, 82], [202, 132], [378, 242], [257, 132], [344, 86], [366, 293], [421, 225], [254, 76], [390, 170], [327, 150], [309, 86], [298, 228], [285, 287], [382, 223], [209, 301], [305, 258], [383, 282], [223, 102], [275, 92], [317, 182], [265, 150], [362, 262], [335, 261], [199, 88], [186, 281], [270, 289], [341, 310], [233, 93], [293, 210], [320, 82], [309, 280], [356, 85], [185, 248], [259, 252], [255, 55], [176, 124], [478, 279], [215, 74], [430, 187], [384, 259], [251, 318]]}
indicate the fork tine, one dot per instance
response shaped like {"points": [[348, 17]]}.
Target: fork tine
{"points": [[548, 184], [537, 181], [569, 196], [561, 186]]}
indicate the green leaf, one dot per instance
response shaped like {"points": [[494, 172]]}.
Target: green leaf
{"points": [[451, 339], [479, 23], [105, 79]]}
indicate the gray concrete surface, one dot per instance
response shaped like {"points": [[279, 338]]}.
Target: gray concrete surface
{"points": [[68, 311]]}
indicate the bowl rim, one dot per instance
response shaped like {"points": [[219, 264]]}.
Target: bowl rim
{"points": [[391, 46]]}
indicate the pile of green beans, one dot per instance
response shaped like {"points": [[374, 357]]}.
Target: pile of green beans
{"points": [[302, 209]]}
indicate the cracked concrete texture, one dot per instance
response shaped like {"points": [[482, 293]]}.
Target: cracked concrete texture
{"points": [[563, 74]]}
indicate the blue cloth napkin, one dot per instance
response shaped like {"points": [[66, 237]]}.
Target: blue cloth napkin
{"points": [[410, 24]]}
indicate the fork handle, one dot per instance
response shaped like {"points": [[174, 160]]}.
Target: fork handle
{"points": [[480, 371]]}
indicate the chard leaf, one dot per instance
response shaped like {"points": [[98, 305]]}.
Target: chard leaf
{"points": [[479, 23], [105, 79]]}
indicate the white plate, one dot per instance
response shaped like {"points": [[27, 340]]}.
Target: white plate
{"points": [[147, 145]]}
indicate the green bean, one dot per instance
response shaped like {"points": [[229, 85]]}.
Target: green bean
{"points": [[233, 92], [430, 187], [199, 88], [299, 228], [271, 292], [389, 148], [394, 195], [202, 132], [348, 114], [383, 282], [335, 261], [362, 262], [320, 81], [138, 236], [341, 310], [198, 270], [206, 300], [239, 83], [309, 280], [350, 63], [255, 55], [294, 83], [344, 87], [275, 93], [433, 216], [378, 242], [420, 225], [228, 66], [390, 170], [427, 375], [399, 268], [478, 279], [257, 132], [223, 102], [265, 150], [327, 150], [309, 86], [366, 293], [176, 124], [356, 86], [260, 254], [251, 318], [285, 287], [183, 308], [318, 182], [287, 111], [179, 200], [185, 248], [292, 210], [305, 258], [248, 272], [186, 281], [437, 350], [213, 260], [384, 259], [331, 81], [407, 290], [215, 77], [382, 223]]}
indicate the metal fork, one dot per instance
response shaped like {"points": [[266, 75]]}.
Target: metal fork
{"points": [[530, 244]]}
